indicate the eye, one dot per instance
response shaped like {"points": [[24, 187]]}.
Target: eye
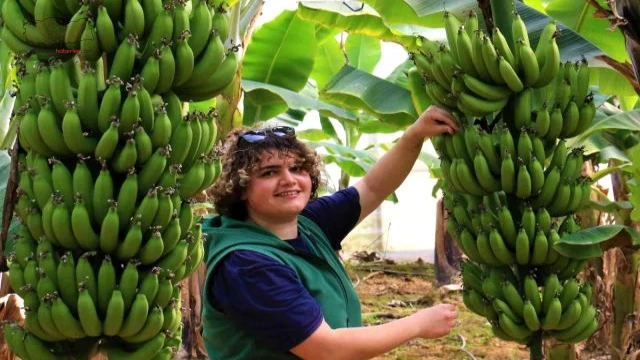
{"points": [[267, 173]]}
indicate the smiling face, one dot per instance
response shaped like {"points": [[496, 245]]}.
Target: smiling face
{"points": [[278, 189]]}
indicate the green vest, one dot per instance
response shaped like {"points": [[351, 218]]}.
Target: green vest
{"points": [[321, 273]]}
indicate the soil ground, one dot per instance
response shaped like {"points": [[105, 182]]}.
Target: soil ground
{"points": [[391, 290]]}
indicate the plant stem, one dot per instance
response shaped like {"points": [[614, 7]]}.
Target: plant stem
{"points": [[535, 347], [502, 18]]}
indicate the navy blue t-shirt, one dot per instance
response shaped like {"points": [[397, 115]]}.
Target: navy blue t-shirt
{"points": [[266, 298]]}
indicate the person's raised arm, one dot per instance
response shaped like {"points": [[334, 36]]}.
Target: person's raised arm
{"points": [[392, 168], [371, 341]]}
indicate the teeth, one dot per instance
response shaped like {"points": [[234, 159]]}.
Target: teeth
{"points": [[288, 193]]}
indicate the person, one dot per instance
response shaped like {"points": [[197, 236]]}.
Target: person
{"points": [[274, 285]]}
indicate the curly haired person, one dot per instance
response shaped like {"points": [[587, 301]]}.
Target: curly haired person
{"points": [[275, 287]]}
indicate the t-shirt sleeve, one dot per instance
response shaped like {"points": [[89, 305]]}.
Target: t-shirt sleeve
{"points": [[335, 214], [266, 299]]}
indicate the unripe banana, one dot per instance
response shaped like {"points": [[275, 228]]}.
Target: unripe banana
{"points": [[552, 315], [474, 301], [586, 114], [136, 317], [106, 31], [530, 316], [508, 174], [523, 181], [551, 288], [528, 63], [570, 119], [114, 316], [128, 284], [549, 60], [509, 75], [513, 329], [106, 283], [485, 251], [124, 58], [522, 109], [485, 90], [475, 106], [582, 83], [465, 52]]}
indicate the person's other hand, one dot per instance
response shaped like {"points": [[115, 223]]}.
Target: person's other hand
{"points": [[437, 321], [434, 121]]}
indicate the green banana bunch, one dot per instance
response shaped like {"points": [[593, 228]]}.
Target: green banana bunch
{"points": [[108, 164], [214, 82]]}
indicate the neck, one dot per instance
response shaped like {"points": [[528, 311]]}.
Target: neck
{"points": [[284, 229]]}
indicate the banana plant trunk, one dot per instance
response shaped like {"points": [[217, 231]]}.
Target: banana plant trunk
{"points": [[621, 291], [447, 254]]}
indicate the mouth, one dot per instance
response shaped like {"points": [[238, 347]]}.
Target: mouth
{"points": [[289, 193]]}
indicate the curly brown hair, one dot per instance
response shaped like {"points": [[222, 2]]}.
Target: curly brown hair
{"points": [[239, 157]]}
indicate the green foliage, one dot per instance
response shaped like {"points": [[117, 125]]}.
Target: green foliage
{"points": [[355, 89], [291, 99], [363, 52], [329, 60], [353, 162], [340, 17], [634, 197], [580, 16], [281, 53]]}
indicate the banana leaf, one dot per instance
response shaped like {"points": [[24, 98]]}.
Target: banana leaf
{"points": [[605, 236], [7, 135], [587, 251], [629, 120], [290, 99], [5, 169], [354, 90], [329, 129], [329, 60], [402, 16], [610, 81], [399, 75], [578, 15], [336, 15], [353, 162], [281, 53], [363, 52], [431, 11], [6, 70], [313, 135], [373, 126]]}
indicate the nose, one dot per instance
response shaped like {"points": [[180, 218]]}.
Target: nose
{"points": [[287, 177]]}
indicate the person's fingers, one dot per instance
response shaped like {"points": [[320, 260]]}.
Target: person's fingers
{"points": [[444, 116], [450, 124], [449, 306], [443, 128]]}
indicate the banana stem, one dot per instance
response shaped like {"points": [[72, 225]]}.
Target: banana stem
{"points": [[535, 347], [502, 18]]}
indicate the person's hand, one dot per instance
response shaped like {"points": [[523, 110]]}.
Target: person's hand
{"points": [[434, 121], [436, 321]]}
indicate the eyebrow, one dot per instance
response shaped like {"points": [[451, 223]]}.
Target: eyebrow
{"points": [[269, 167], [277, 166]]}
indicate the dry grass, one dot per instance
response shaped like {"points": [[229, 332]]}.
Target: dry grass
{"points": [[388, 291]]}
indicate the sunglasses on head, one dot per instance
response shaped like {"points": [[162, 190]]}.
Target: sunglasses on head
{"points": [[253, 136]]}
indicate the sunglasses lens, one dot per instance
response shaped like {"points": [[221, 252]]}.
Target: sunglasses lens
{"points": [[283, 131], [252, 137], [259, 135]]}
